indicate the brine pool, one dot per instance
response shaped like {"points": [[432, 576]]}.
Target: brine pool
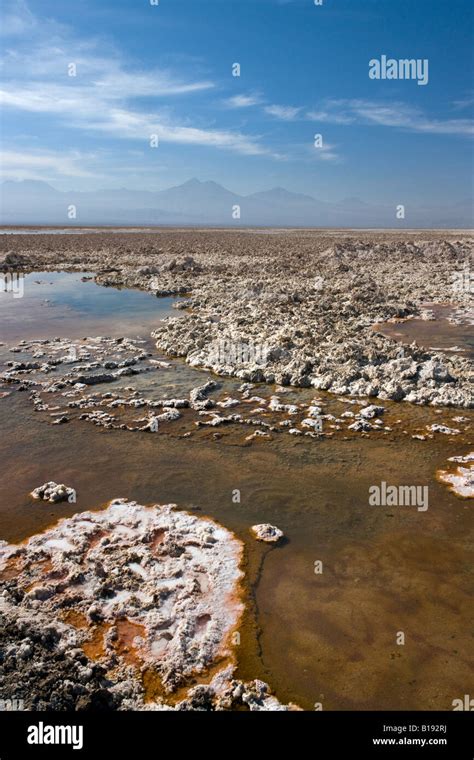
{"points": [[325, 637]]}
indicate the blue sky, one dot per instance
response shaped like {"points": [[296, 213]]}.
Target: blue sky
{"points": [[167, 70]]}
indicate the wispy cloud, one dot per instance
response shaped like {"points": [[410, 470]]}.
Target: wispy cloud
{"points": [[105, 94], [327, 152], [466, 102], [285, 113], [322, 152], [396, 115], [38, 164], [17, 19], [330, 115], [242, 101], [85, 109]]}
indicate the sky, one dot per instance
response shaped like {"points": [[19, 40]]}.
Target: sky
{"points": [[167, 70]]}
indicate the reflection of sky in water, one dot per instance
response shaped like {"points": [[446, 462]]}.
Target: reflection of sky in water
{"points": [[57, 300]]}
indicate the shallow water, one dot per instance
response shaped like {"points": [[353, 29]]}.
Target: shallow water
{"points": [[77, 230], [434, 333], [46, 304], [328, 637]]}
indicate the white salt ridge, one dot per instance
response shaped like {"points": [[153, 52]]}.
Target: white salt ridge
{"points": [[443, 429], [467, 458], [461, 481], [276, 406], [138, 569], [311, 423], [166, 570], [59, 544]]}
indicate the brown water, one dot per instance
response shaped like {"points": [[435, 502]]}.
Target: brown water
{"points": [[433, 333], [329, 637]]}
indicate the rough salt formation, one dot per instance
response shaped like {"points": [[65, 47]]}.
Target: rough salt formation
{"points": [[70, 380], [125, 608], [467, 458], [63, 371], [461, 481], [270, 534], [443, 429], [54, 492], [12, 261], [225, 693], [302, 304]]}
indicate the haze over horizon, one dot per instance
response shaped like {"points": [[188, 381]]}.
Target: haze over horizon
{"points": [[196, 202]]}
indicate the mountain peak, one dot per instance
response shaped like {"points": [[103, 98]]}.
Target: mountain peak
{"points": [[24, 186], [194, 182], [197, 202], [281, 194]]}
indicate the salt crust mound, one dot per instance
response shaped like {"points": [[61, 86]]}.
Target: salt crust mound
{"points": [[131, 607], [270, 534]]}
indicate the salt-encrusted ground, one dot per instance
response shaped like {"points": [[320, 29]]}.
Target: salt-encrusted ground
{"points": [[131, 607], [461, 481], [96, 380], [305, 302]]}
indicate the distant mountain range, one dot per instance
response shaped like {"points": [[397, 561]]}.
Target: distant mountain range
{"points": [[207, 203]]}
